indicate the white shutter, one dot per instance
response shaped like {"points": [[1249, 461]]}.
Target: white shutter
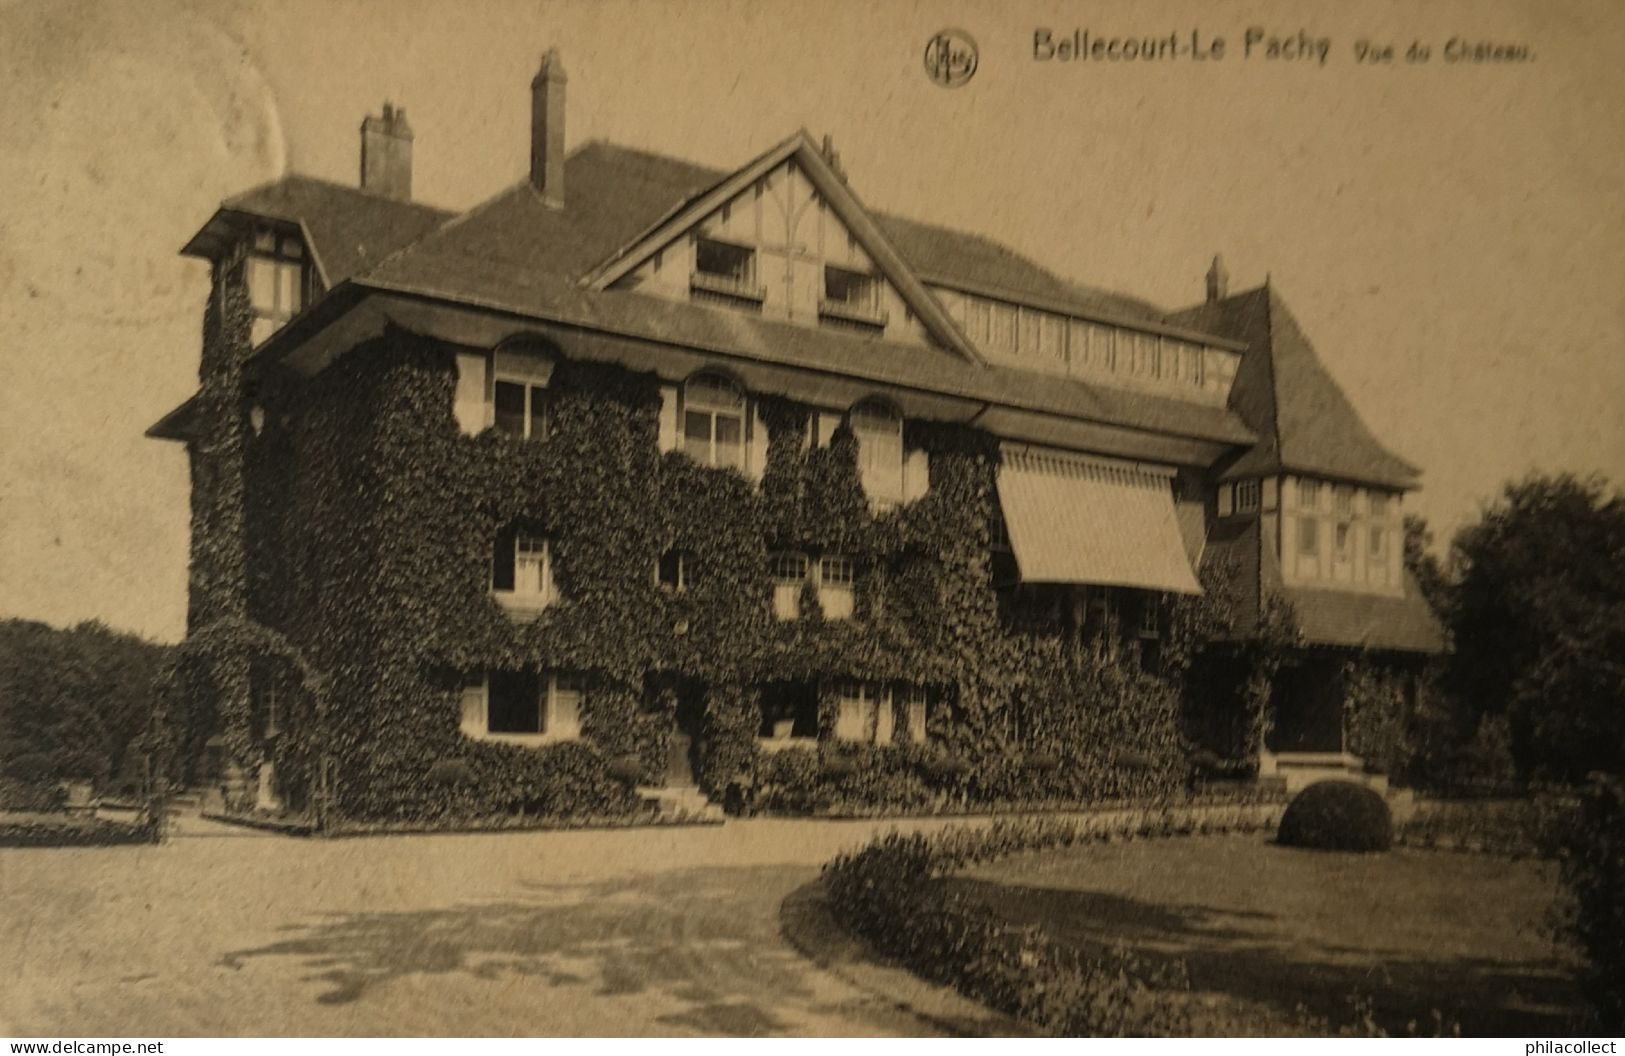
{"points": [[756, 449], [884, 718], [668, 418], [468, 404], [916, 475], [827, 422], [472, 705], [849, 720]]}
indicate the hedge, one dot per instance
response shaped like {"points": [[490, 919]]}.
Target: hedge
{"points": [[67, 831], [890, 893]]}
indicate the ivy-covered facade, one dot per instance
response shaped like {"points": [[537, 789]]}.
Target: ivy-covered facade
{"points": [[644, 475]]}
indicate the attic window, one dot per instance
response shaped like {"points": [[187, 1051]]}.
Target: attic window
{"points": [[280, 279], [725, 272], [851, 298]]}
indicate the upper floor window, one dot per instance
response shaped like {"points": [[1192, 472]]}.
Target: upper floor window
{"points": [[280, 280], [789, 573], [852, 298], [1308, 536], [833, 576], [837, 577], [522, 570], [726, 272], [879, 433], [674, 570], [1246, 496], [1379, 504], [714, 422], [1343, 501], [519, 408]]}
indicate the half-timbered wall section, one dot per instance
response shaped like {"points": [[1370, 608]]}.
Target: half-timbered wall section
{"points": [[779, 249]]}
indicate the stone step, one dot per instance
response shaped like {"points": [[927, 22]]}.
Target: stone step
{"points": [[683, 803]]}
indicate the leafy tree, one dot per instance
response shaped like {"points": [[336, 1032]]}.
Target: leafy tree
{"points": [[71, 701], [1538, 621], [1424, 564]]}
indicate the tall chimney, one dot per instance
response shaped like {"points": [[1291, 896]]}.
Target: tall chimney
{"points": [[1218, 280], [547, 130], [386, 155]]}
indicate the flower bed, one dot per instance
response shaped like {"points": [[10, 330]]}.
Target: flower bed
{"points": [[66, 830], [889, 893]]}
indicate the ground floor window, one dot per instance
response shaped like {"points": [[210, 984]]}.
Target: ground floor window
{"points": [[523, 706], [789, 713], [880, 713]]}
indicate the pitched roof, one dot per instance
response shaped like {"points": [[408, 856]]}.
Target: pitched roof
{"points": [[1367, 621], [349, 229], [516, 254], [1328, 617], [978, 264], [1304, 420], [832, 190]]}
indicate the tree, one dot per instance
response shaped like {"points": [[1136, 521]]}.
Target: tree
{"points": [[1424, 564], [71, 701], [1538, 620]]}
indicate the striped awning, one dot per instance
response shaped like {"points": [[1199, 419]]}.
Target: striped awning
{"points": [[1080, 520]]}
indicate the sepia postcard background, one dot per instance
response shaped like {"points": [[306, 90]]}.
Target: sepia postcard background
{"points": [[1452, 235]]}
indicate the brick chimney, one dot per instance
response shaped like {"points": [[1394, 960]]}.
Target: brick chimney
{"points": [[1218, 280], [386, 155], [547, 130]]}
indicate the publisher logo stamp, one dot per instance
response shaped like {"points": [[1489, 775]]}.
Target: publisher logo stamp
{"points": [[950, 58]]}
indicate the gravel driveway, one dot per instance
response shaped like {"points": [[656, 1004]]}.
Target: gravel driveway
{"points": [[225, 932]]}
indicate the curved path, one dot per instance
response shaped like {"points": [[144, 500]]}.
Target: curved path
{"points": [[222, 931]]}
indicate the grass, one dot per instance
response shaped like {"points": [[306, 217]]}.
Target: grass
{"points": [[1269, 933]]}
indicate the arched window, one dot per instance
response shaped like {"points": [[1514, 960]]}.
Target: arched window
{"points": [[878, 429], [714, 422]]}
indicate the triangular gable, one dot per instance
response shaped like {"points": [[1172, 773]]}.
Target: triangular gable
{"points": [[843, 236]]}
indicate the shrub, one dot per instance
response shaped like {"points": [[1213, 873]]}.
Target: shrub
{"points": [[1593, 871], [889, 893], [30, 796], [75, 832], [627, 768], [450, 772], [1337, 816]]}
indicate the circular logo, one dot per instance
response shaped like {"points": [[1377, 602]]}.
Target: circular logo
{"points": [[950, 58]]}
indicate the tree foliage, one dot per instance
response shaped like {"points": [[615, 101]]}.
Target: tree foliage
{"points": [[72, 701], [1538, 620]]}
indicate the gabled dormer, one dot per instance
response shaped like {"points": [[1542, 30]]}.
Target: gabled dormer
{"points": [[785, 238]]}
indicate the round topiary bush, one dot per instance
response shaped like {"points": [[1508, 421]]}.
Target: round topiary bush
{"points": [[1337, 816]]}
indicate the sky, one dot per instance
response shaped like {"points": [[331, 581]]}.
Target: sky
{"points": [[1450, 235]]}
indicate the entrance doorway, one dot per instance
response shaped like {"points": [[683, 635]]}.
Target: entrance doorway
{"points": [[688, 727]]}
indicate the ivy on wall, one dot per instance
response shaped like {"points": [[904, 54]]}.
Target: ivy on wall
{"points": [[357, 523]]}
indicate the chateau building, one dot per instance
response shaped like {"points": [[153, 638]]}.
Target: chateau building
{"points": [[642, 472]]}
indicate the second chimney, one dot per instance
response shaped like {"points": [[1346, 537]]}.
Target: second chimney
{"points": [[1218, 280], [547, 130], [386, 155]]}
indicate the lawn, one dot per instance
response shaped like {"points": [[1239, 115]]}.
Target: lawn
{"points": [[1264, 929]]}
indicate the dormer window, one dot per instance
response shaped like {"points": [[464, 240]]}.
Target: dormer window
{"points": [[726, 272], [280, 280], [714, 422], [851, 298], [879, 432], [519, 408]]}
